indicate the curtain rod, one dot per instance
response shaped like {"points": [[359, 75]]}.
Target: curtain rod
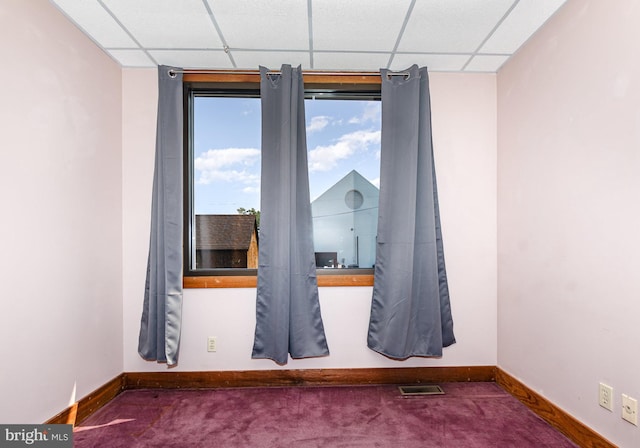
{"points": [[174, 72]]}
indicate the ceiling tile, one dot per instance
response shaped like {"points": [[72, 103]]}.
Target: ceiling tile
{"points": [[458, 26], [486, 63], [132, 58], [94, 20], [193, 58], [433, 62], [521, 23], [365, 25], [258, 24], [251, 60], [350, 61], [166, 24], [444, 35]]}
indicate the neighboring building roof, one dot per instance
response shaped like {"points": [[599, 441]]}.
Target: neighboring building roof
{"points": [[224, 232], [335, 195]]}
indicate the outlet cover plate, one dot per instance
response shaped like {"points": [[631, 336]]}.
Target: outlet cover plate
{"points": [[606, 397], [630, 409], [211, 344]]}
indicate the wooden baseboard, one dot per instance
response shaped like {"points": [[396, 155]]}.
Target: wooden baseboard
{"points": [[311, 377], [86, 406], [556, 417]]}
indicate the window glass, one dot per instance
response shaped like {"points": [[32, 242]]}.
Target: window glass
{"points": [[223, 181], [343, 139], [226, 182]]}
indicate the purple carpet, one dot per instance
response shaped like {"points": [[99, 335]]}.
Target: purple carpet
{"points": [[469, 415]]}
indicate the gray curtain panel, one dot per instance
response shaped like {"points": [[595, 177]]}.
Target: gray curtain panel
{"points": [[410, 309], [288, 318], [162, 309]]}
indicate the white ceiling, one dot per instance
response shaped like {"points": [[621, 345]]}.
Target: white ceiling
{"points": [[444, 35]]}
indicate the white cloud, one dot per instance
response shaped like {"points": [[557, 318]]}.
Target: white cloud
{"points": [[375, 182], [371, 113], [318, 123], [324, 158], [228, 165]]}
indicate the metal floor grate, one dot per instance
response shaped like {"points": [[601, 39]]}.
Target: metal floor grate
{"points": [[425, 389]]}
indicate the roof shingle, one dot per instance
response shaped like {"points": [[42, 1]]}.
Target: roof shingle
{"points": [[224, 232]]}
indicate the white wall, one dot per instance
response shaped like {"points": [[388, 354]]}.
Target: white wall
{"points": [[464, 122], [60, 232], [569, 219]]}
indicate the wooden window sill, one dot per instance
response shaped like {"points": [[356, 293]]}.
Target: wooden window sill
{"points": [[250, 281]]}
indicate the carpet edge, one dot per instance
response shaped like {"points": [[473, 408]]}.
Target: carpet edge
{"points": [[86, 406], [564, 422]]}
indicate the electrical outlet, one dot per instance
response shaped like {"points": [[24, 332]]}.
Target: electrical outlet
{"points": [[630, 409], [606, 397], [211, 344]]}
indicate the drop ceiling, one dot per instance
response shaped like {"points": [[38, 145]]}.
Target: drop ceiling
{"points": [[325, 35]]}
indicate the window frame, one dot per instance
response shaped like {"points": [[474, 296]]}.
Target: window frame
{"points": [[237, 84]]}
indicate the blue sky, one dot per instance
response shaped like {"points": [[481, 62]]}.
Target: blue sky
{"points": [[342, 135]]}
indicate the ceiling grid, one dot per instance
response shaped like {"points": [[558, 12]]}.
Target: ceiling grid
{"points": [[323, 35]]}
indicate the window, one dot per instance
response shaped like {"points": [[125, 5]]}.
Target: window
{"points": [[222, 176]]}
